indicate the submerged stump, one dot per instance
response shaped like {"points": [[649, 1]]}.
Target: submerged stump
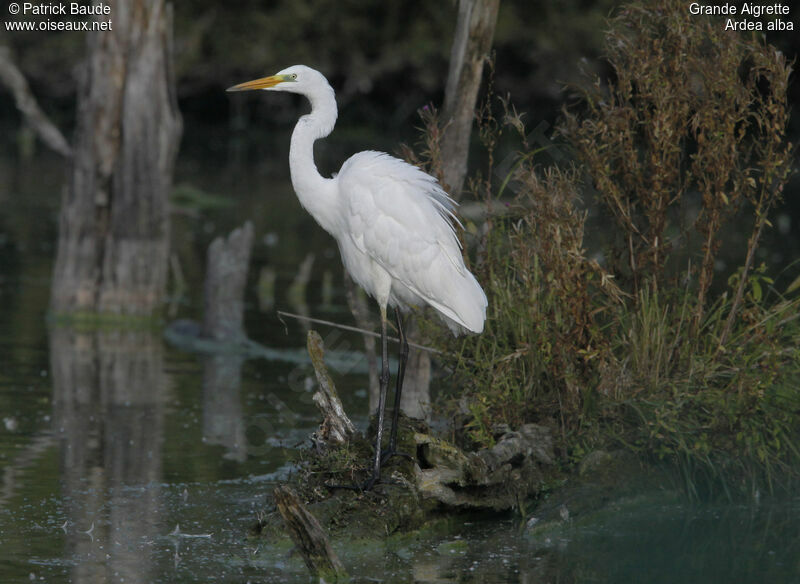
{"points": [[336, 428], [437, 480], [438, 472], [226, 276], [308, 536]]}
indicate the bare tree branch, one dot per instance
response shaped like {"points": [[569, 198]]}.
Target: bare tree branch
{"points": [[13, 78]]}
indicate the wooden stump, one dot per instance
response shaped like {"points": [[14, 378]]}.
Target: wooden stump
{"points": [[114, 223], [336, 428], [226, 276], [309, 537]]}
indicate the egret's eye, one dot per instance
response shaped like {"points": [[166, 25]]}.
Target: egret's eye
{"points": [[293, 76]]}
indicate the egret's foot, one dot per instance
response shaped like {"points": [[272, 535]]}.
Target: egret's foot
{"points": [[333, 487], [369, 483], [360, 487], [391, 453], [367, 486]]}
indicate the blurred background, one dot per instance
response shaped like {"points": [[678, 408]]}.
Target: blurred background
{"points": [[93, 484], [385, 60]]}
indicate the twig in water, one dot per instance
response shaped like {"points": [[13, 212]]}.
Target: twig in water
{"points": [[354, 329], [177, 533]]}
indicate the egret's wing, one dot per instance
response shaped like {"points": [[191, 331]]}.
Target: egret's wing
{"points": [[401, 218]]}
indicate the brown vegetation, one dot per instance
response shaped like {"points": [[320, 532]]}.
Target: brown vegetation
{"points": [[637, 348]]}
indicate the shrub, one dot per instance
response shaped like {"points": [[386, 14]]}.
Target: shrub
{"points": [[638, 349]]}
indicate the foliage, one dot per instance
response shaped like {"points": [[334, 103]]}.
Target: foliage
{"points": [[637, 349], [693, 112]]}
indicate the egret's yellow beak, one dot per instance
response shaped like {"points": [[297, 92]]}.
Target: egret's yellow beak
{"points": [[263, 83]]}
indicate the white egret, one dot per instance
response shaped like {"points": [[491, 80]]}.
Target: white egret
{"points": [[394, 226]]}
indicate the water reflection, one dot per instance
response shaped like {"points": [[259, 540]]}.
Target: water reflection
{"points": [[119, 462], [223, 418], [119, 437], [108, 403]]}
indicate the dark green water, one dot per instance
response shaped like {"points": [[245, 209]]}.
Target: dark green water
{"points": [[123, 459]]}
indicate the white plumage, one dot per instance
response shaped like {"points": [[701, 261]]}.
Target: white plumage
{"points": [[397, 224], [392, 221]]}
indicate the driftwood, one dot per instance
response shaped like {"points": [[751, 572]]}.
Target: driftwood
{"points": [[226, 276], [440, 473], [355, 329], [308, 536], [495, 478], [471, 44], [336, 428], [433, 476], [26, 103]]}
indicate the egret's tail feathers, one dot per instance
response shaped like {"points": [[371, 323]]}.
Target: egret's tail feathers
{"points": [[465, 310]]}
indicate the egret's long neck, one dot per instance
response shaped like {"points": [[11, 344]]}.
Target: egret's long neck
{"points": [[316, 193]]}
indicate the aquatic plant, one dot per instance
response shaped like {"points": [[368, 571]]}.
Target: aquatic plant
{"points": [[630, 339]]}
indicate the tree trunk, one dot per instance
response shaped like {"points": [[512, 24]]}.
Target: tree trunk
{"points": [[471, 44], [114, 224]]}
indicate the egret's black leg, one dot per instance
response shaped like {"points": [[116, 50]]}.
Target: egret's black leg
{"points": [[401, 371], [384, 385]]}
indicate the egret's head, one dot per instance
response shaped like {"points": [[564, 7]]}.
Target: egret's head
{"points": [[295, 79]]}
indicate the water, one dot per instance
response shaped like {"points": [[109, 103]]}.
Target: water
{"points": [[123, 459]]}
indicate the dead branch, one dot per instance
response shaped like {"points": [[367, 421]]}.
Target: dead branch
{"points": [[354, 329], [471, 44], [26, 103], [336, 427], [309, 537]]}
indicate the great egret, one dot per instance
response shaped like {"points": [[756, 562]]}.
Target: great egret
{"points": [[394, 226]]}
